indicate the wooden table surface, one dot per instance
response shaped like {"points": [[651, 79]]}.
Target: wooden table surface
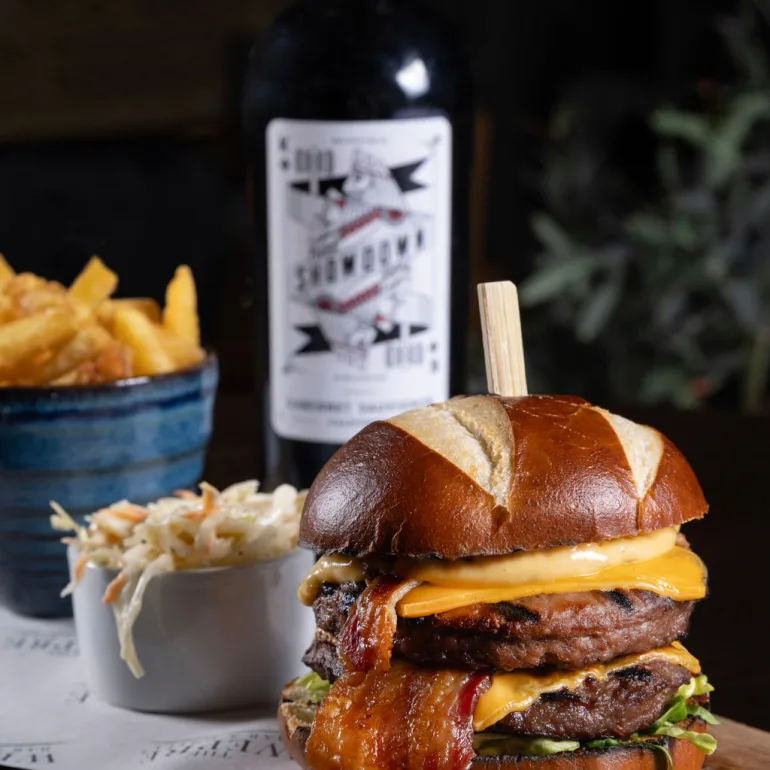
{"points": [[740, 748]]}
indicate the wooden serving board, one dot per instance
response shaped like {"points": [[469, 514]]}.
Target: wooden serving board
{"points": [[740, 747]]}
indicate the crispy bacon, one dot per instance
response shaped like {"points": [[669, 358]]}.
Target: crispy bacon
{"points": [[403, 719], [366, 641]]}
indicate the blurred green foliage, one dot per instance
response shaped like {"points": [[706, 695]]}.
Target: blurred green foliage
{"points": [[667, 289]]}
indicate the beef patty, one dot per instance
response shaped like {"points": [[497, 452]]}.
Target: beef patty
{"points": [[564, 630], [627, 701]]}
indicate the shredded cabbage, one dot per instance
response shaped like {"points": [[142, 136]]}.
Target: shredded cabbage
{"points": [[214, 529]]}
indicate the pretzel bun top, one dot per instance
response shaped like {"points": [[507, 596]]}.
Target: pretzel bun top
{"points": [[488, 475]]}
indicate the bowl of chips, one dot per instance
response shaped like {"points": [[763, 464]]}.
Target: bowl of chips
{"points": [[101, 399]]}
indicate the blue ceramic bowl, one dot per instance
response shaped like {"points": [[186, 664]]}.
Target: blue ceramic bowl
{"points": [[87, 447]]}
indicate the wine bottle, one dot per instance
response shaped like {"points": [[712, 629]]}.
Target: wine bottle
{"points": [[358, 124]]}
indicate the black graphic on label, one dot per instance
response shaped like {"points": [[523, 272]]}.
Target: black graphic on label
{"points": [[362, 240], [359, 218]]}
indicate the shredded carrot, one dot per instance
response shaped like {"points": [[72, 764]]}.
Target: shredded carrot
{"points": [[130, 512], [80, 566], [210, 496], [114, 588], [195, 515], [186, 494], [127, 512]]}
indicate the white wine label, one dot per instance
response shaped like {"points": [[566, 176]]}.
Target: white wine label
{"points": [[359, 272]]}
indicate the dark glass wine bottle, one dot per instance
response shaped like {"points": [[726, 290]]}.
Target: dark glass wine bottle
{"points": [[358, 123]]}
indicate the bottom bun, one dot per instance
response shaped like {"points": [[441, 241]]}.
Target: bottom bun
{"points": [[639, 756]]}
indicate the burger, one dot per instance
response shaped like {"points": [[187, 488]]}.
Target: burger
{"points": [[502, 584]]}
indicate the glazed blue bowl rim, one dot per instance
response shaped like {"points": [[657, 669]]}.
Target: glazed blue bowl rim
{"points": [[41, 391]]}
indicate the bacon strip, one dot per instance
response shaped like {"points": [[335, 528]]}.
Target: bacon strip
{"points": [[403, 719], [366, 640]]}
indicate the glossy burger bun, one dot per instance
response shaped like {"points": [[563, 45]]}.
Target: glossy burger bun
{"points": [[684, 755], [487, 475]]}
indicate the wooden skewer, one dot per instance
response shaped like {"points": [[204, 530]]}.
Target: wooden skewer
{"points": [[503, 346]]}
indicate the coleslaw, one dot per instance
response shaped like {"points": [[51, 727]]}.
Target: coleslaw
{"points": [[236, 526]]}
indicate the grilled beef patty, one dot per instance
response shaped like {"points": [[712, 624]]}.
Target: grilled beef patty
{"points": [[564, 630], [628, 700]]}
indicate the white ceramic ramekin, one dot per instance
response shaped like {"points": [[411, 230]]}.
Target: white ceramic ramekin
{"points": [[209, 640]]}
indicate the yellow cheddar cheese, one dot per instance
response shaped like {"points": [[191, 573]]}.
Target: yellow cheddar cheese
{"points": [[540, 566], [678, 574], [517, 691]]}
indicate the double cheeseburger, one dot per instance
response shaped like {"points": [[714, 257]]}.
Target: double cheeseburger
{"points": [[502, 584]]}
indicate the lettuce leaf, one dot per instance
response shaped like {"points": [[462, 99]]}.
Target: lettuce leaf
{"points": [[666, 725], [607, 742], [703, 741], [497, 744], [317, 688]]}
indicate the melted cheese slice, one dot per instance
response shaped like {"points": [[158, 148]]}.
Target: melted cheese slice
{"points": [[334, 568], [678, 574], [517, 691], [539, 566]]}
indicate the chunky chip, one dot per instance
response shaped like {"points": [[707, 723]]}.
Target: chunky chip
{"points": [[51, 335]]}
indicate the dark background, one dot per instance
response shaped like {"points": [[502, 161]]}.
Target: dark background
{"points": [[119, 136], [119, 129]]}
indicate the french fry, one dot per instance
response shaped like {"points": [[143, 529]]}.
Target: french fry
{"points": [[106, 311], [43, 298], [21, 283], [6, 271], [7, 310], [52, 335], [182, 352], [134, 329], [180, 316], [116, 362], [95, 284], [69, 378], [85, 346], [24, 339]]}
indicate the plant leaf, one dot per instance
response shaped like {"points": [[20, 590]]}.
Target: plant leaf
{"points": [[552, 236], [597, 310], [553, 279], [725, 151], [663, 383], [743, 299], [648, 228], [677, 124], [736, 32]]}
